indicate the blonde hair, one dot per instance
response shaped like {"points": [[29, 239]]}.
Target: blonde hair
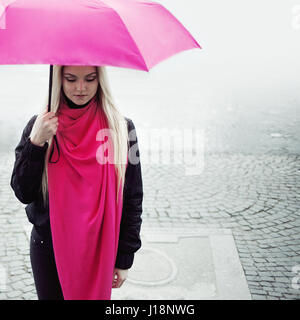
{"points": [[116, 122]]}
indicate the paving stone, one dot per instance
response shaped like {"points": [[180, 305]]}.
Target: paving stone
{"points": [[17, 277], [251, 272], [274, 293], [29, 281], [256, 291], [277, 274], [274, 298], [14, 294], [264, 283], [28, 289], [17, 285], [291, 297], [264, 278], [259, 260], [258, 297], [29, 296], [282, 280], [17, 271]]}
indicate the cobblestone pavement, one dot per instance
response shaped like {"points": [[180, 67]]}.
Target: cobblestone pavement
{"points": [[257, 197]]}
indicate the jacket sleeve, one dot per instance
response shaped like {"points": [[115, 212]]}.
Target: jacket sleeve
{"points": [[28, 167], [129, 239]]}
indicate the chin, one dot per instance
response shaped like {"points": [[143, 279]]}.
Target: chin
{"points": [[81, 101]]}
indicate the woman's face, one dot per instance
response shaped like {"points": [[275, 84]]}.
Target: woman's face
{"points": [[80, 83]]}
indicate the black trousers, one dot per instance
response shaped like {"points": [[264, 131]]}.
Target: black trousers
{"points": [[43, 265]]}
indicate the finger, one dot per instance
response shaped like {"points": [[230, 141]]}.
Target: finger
{"points": [[115, 283], [49, 115], [121, 283], [52, 115], [53, 121], [114, 280]]}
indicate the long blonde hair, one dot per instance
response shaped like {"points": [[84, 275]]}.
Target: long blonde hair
{"points": [[116, 122]]}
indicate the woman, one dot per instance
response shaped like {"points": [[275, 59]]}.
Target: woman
{"points": [[83, 188]]}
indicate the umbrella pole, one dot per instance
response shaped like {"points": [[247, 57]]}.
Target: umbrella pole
{"points": [[50, 87], [49, 107]]}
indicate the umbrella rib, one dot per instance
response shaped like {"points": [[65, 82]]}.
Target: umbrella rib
{"points": [[147, 69]]}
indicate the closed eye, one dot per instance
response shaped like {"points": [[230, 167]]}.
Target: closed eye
{"points": [[88, 80]]}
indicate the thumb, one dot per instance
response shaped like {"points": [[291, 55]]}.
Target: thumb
{"points": [[114, 276]]}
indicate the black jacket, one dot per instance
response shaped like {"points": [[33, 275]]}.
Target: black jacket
{"points": [[26, 182]]}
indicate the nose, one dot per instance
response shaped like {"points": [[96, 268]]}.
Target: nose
{"points": [[80, 86]]}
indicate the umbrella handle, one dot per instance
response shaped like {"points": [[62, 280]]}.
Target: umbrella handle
{"points": [[50, 87], [49, 107], [57, 147]]}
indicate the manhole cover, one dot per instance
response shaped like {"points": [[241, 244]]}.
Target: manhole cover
{"points": [[152, 267]]}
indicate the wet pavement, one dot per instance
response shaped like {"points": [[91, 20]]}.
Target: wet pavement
{"points": [[185, 264], [255, 198], [247, 193]]}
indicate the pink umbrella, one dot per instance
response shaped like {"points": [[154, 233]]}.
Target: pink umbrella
{"points": [[123, 33]]}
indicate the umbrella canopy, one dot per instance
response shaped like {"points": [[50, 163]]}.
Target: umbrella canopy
{"points": [[123, 33]]}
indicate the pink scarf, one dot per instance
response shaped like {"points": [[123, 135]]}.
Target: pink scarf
{"points": [[84, 214]]}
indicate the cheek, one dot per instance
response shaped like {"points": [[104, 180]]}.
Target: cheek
{"points": [[94, 86], [67, 86]]}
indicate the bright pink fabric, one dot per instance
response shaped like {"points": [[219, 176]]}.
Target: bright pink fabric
{"points": [[84, 215], [122, 33]]}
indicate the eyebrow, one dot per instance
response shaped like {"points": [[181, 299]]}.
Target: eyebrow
{"points": [[73, 75]]}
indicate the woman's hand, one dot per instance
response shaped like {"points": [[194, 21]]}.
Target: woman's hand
{"points": [[119, 276], [44, 127]]}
